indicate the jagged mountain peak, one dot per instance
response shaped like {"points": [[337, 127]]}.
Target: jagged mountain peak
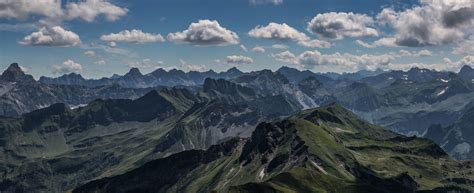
{"points": [[14, 67], [232, 72], [467, 73], [71, 78], [466, 68], [114, 76], [225, 90], [134, 72], [75, 75], [233, 69], [14, 73], [176, 71], [286, 68], [263, 75]]}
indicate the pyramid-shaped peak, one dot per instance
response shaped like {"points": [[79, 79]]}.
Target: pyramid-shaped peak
{"points": [[133, 72], [14, 73], [233, 69], [14, 67]]}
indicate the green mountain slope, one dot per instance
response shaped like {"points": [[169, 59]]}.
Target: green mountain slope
{"points": [[326, 149], [55, 148]]}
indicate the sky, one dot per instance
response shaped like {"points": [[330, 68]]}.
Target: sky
{"points": [[99, 38]]}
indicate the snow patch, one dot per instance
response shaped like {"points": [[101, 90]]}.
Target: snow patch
{"points": [[261, 174], [405, 77], [72, 107], [443, 80], [442, 91]]}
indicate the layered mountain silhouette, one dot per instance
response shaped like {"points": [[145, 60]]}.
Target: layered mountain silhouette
{"points": [[236, 131], [326, 149], [17, 90], [135, 79], [63, 147]]}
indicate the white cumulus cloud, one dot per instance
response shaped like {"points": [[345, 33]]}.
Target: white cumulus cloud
{"points": [[205, 33], [285, 32], [52, 36], [68, 66], [132, 36], [432, 22], [234, 59], [421, 53], [52, 11], [315, 44], [258, 49], [346, 61], [89, 53], [339, 25], [88, 10], [186, 66], [146, 63], [277, 31], [285, 56], [280, 46], [21, 9]]}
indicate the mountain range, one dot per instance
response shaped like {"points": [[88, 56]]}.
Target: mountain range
{"points": [[17, 90], [319, 150], [55, 148], [135, 79], [263, 131], [383, 97]]}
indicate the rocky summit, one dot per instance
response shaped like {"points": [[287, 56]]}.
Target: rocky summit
{"points": [[326, 149]]}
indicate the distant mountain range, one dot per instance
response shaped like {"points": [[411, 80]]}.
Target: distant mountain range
{"points": [[20, 93], [135, 79], [407, 102]]}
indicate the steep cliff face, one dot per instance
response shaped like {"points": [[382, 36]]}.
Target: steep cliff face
{"points": [[457, 139]]}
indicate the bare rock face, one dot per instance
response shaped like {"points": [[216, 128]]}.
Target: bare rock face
{"points": [[14, 73]]}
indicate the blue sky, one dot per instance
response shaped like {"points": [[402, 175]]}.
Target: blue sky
{"points": [[346, 36]]}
